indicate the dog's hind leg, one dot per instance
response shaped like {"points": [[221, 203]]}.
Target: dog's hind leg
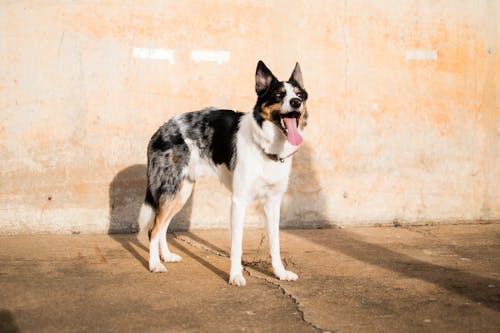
{"points": [[166, 255], [168, 207]]}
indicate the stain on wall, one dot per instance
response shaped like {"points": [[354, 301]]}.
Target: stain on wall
{"points": [[404, 116]]}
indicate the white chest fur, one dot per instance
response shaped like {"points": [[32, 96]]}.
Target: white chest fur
{"points": [[255, 174]]}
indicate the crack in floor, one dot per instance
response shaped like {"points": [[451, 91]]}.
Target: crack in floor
{"points": [[247, 268], [283, 290]]}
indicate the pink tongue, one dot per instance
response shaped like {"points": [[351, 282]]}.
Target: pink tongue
{"points": [[293, 136]]}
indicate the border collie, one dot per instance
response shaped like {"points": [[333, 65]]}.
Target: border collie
{"points": [[251, 153]]}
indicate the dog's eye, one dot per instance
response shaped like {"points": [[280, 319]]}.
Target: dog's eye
{"points": [[300, 95], [279, 95]]}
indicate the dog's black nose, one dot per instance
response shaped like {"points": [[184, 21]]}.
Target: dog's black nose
{"points": [[295, 102]]}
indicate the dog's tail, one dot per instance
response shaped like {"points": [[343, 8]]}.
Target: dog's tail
{"points": [[146, 217]]}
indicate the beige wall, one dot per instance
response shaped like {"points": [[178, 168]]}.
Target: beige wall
{"points": [[404, 117]]}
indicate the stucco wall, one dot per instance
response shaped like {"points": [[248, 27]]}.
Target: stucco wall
{"points": [[404, 118]]}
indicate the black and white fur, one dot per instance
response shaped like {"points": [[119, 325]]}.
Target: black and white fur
{"points": [[249, 152]]}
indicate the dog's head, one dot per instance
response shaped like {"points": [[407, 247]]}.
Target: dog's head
{"points": [[282, 103]]}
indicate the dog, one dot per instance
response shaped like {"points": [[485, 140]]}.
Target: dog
{"points": [[251, 153]]}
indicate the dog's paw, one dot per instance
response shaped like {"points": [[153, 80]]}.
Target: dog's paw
{"points": [[157, 267], [287, 276], [237, 280], [171, 257]]}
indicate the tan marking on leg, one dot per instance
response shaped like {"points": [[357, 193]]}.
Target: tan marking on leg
{"points": [[166, 211]]}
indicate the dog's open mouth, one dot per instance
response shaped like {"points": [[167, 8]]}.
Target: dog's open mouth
{"points": [[289, 123]]}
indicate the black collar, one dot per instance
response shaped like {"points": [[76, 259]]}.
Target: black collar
{"points": [[277, 158]]}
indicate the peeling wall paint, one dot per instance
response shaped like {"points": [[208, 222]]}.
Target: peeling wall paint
{"points": [[419, 54], [155, 54], [210, 56], [404, 115]]}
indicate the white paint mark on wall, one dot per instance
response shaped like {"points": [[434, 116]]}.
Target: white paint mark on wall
{"points": [[156, 54], [421, 54], [210, 56]]}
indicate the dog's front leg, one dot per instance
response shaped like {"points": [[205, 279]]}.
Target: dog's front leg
{"points": [[238, 208], [272, 210]]}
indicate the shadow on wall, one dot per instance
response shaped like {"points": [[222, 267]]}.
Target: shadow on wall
{"points": [[8, 322], [303, 206], [126, 195]]}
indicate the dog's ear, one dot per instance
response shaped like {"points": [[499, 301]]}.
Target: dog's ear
{"points": [[263, 78], [297, 75]]}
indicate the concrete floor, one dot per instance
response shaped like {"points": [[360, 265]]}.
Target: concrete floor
{"points": [[385, 279]]}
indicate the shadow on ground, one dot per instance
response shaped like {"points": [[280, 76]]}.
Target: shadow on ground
{"points": [[8, 322], [474, 287]]}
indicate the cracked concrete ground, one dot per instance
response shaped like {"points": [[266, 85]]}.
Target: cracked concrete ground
{"points": [[387, 279]]}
